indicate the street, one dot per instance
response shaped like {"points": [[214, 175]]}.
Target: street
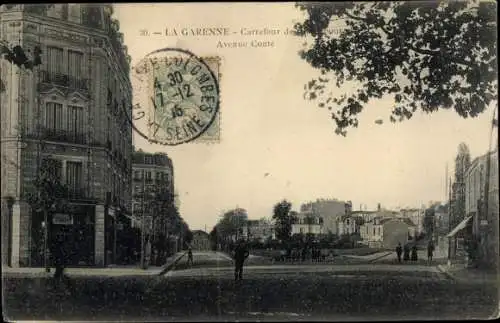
{"points": [[270, 292]]}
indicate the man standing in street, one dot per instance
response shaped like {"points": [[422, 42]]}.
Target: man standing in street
{"points": [[430, 251], [240, 254], [399, 251], [190, 257]]}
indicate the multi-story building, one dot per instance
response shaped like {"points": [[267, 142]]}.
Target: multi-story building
{"points": [[153, 193], [73, 109], [416, 215], [484, 224], [385, 232], [326, 212]]}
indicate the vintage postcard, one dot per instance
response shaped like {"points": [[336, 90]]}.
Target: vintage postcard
{"points": [[249, 161]]}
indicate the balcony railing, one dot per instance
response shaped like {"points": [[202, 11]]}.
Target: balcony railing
{"points": [[64, 136], [65, 80], [78, 194]]}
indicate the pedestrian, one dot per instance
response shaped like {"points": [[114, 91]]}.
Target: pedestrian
{"points": [[430, 251], [399, 251], [414, 256], [147, 253], [190, 257], [406, 255], [240, 254], [60, 254]]}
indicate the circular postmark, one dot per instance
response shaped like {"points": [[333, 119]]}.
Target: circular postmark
{"points": [[176, 96]]}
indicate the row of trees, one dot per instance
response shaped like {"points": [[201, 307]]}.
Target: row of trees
{"points": [[232, 225]]}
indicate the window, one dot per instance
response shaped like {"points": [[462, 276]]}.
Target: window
{"points": [[159, 176], [55, 60], [374, 231], [137, 175], [74, 177], [75, 13], [148, 176], [75, 122], [53, 117], [56, 11], [75, 68], [147, 160]]}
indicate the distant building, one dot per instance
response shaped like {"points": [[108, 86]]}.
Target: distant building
{"points": [[201, 240], [326, 212], [260, 230], [385, 233], [308, 222], [347, 225], [416, 215], [153, 192]]}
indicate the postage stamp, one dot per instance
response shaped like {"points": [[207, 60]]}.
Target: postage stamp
{"points": [[178, 96]]}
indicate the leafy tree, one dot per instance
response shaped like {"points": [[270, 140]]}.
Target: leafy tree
{"points": [[426, 56], [49, 192], [188, 236], [49, 195], [283, 220]]}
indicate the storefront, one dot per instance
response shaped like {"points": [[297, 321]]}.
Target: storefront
{"points": [[76, 225]]}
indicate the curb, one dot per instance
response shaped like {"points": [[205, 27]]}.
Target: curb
{"points": [[446, 273], [383, 256], [169, 267]]}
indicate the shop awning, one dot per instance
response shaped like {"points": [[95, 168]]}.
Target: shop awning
{"points": [[459, 227]]}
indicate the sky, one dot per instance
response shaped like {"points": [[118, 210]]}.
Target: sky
{"points": [[275, 145]]}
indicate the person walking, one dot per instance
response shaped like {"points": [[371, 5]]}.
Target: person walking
{"points": [[414, 255], [60, 253], [147, 253], [406, 255], [190, 257], [430, 251], [240, 254], [399, 251]]}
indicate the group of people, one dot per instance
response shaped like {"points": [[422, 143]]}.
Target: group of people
{"points": [[405, 252]]}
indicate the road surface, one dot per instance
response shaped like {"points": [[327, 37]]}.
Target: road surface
{"points": [[267, 292]]}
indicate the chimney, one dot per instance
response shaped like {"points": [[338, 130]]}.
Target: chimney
{"points": [[378, 207]]}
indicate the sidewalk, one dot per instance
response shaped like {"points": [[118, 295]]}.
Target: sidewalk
{"points": [[469, 275], [111, 271]]}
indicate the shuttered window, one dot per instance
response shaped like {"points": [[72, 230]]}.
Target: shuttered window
{"points": [[55, 60], [75, 122], [74, 177], [76, 67], [75, 13], [53, 116]]}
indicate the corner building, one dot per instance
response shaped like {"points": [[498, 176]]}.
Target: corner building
{"points": [[71, 108]]}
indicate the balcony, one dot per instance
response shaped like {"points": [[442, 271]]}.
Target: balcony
{"points": [[65, 80], [79, 195], [64, 136]]}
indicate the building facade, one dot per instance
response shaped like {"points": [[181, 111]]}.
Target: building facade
{"points": [[260, 230], [416, 215], [484, 224], [328, 211], [200, 241], [385, 232], [72, 109], [152, 193]]}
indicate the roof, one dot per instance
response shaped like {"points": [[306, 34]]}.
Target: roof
{"points": [[403, 220], [362, 212], [199, 232]]}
